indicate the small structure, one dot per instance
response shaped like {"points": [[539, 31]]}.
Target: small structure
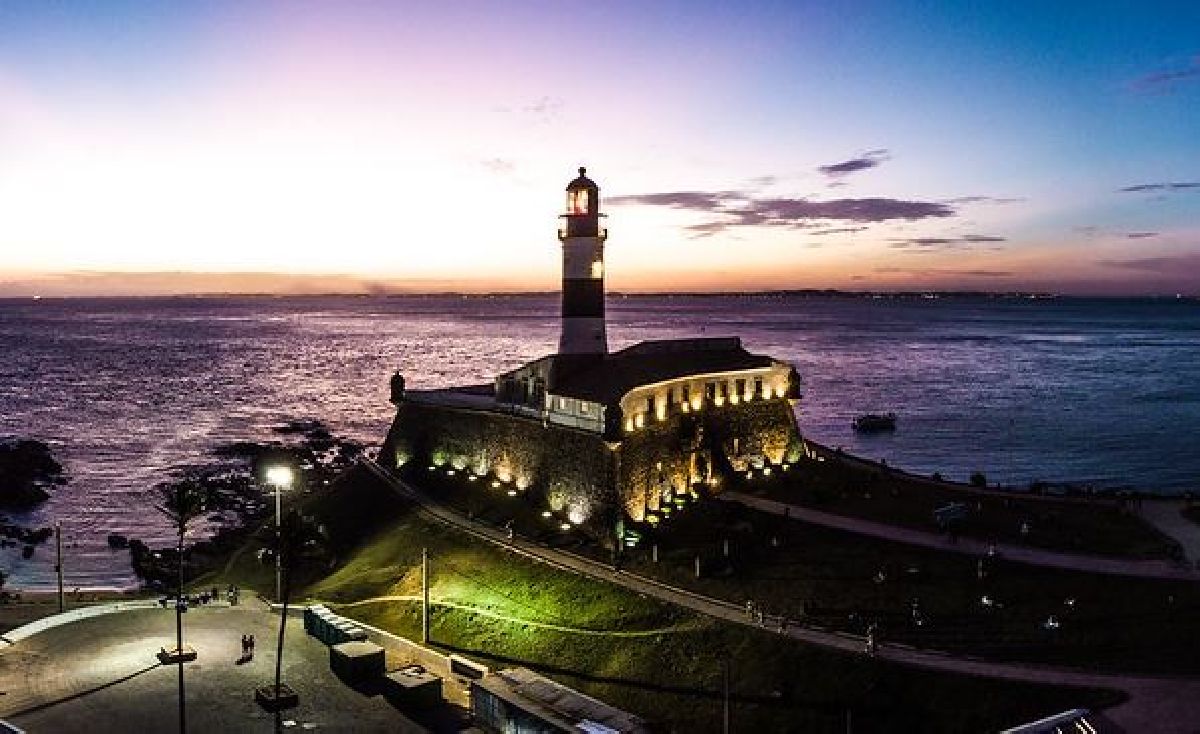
{"points": [[412, 687], [518, 699], [357, 663]]}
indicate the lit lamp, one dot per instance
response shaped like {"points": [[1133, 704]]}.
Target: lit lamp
{"points": [[282, 478]]}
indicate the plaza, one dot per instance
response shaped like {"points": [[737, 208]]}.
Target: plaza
{"points": [[99, 674]]}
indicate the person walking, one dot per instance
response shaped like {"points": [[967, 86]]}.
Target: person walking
{"points": [[251, 645], [245, 646]]}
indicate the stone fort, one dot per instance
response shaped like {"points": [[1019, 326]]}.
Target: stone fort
{"points": [[606, 441]]}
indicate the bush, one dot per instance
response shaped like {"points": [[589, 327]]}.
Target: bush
{"points": [[978, 479]]}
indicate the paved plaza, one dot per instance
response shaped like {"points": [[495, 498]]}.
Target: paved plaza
{"points": [[99, 674]]}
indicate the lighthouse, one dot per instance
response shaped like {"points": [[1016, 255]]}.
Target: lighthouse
{"points": [[582, 240]]}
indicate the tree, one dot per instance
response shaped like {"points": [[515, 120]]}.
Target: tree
{"points": [[182, 503], [298, 540]]}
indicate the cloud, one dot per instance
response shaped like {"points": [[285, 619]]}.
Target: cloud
{"points": [[1140, 235], [838, 230], [1167, 186], [498, 166], [943, 271], [870, 159], [1168, 80], [743, 209], [932, 244], [1164, 264], [984, 200]]}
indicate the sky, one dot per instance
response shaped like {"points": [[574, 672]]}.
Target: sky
{"points": [[161, 147]]}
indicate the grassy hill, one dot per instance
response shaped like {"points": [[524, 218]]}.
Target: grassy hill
{"points": [[639, 654]]}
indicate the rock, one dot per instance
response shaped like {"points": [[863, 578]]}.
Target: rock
{"points": [[27, 552], [117, 541], [26, 466]]}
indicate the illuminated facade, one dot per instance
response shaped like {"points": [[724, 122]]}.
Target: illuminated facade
{"points": [[605, 439]]}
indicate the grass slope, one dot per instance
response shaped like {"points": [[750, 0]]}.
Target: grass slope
{"points": [[673, 677]]}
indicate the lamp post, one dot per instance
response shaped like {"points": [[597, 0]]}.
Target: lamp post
{"points": [[281, 477]]}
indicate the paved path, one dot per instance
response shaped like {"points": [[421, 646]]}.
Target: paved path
{"points": [[1166, 516], [490, 614], [1156, 569], [1163, 705], [99, 674]]}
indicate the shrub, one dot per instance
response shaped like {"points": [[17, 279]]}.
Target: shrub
{"points": [[978, 479]]}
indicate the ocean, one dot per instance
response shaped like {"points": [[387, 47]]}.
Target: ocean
{"points": [[1104, 392]]}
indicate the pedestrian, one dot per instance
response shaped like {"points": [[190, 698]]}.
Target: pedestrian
{"points": [[245, 646], [872, 643], [251, 645]]}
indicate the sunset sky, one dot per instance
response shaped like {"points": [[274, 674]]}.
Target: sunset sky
{"points": [[146, 146]]}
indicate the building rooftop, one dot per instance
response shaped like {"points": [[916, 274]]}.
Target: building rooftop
{"points": [[605, 378], [559, 704]]}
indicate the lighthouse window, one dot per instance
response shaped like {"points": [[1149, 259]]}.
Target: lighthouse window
{"points": [[598, 269], [583, 407], [562, 403], [650, 405], [687, 395], [577, 202], [710, 390], [758, 387]]}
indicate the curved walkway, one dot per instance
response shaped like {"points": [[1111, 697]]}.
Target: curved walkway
{"points": [[515, 620], [1165, 705], [1153, 569]]}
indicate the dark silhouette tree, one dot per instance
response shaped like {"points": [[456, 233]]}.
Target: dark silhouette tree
{"points": [[182, 503]]}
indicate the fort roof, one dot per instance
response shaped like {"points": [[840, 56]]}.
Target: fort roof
{"points": [[605, 378]]}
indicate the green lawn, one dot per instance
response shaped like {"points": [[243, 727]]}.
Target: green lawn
{"points": [[661, 662], [844, 581]]}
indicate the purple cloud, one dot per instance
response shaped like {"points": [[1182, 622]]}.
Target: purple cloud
{"points": [[1167, 186], [984, 200], [870, 159], [742, 209], [932, 244]]}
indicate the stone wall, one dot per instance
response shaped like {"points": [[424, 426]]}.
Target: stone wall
{"points": [[571, 469], [586, 478], [672, 455]]}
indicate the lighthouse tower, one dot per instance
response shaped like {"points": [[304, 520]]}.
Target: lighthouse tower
{"points": [[582, 240]]}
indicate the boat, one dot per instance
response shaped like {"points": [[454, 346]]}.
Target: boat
{"points": [[875, 422]]}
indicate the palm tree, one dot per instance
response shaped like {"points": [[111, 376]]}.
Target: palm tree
{"points": [[182, 503], [297, 540]]}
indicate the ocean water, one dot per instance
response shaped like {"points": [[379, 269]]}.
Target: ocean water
{"points": [[1105, 392]]}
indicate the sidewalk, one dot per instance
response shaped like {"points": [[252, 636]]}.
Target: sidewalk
{"points": [[1154, 569], [1163, 705]]}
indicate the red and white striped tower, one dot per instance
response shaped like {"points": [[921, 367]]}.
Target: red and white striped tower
{"points": [[582, 240]]}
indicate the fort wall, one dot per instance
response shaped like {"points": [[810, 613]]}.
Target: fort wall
{"points": [[593, 482]]}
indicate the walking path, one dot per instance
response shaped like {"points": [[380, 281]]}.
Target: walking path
{"points": [[1167, 705], [490, 614], [1155, 569], [1166, 515]]}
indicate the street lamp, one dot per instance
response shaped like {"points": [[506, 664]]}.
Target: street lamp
{"points": [[282, 478]]}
